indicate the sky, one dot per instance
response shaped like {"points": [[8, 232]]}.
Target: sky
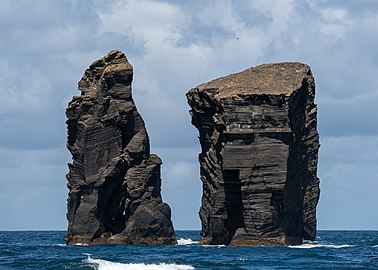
{"points": [[45, 47]]}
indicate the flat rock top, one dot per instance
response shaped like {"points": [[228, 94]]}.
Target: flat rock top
{"points": [[271, 79]]}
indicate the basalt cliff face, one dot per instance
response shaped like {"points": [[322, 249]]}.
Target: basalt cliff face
{"points": [[258, 165], [114, 182]]}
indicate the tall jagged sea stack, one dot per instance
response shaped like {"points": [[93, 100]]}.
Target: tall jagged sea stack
{"points": [[258, 165], [114, 182]]}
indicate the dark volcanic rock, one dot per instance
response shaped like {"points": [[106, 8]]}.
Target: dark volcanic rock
{"points": [[259, 155], [114, 182]]}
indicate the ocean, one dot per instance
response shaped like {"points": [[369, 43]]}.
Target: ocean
{"points": [[47, 250]]}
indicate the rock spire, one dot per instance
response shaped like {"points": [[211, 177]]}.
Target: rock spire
{"points": [[114, 182]]}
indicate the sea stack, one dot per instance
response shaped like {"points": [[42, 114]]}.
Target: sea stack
{"points": [[114, 182], [258, 165]]}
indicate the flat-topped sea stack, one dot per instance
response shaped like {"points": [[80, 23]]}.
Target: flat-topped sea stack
{"points": [[114, 182], [258, 165]]}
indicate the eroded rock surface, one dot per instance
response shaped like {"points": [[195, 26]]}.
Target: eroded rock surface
{"points": [[114, 182], [258, 165]]}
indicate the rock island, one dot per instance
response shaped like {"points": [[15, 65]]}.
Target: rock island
{"points": [[114, 182], [258, 164]]}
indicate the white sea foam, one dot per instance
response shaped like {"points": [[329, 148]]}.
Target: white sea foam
{"points": [[214, 246], [186, 241], [316, 245], [60, 245], [376, 246], [108, 265], [81, 244]]}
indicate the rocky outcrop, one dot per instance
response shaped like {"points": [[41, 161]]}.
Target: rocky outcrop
{"points": [[114, 182], [258, 165]]}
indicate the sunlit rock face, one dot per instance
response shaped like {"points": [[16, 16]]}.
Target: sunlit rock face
{"points": [[258, 165], [114, 182]]}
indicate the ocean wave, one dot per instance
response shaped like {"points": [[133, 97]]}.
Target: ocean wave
{"points": [[7, 251], [108, 265], [81, 244], [316, 245], [59, 245], [186, 241], [214, 246]]}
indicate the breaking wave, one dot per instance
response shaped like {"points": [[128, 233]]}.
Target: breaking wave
{"points": [[214, 246], [81, 244], [99, 264], [59, 245], [186, 241], [317, 245]]}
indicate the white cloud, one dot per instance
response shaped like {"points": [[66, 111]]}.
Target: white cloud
{"points": [[151, 21], [175, 58], [166, 69], [177, 171], [29, 159], [333, 22], [347, 171], [336, 23], [22, 89], [60, 38], [27, 13], [321, 35], [334, 14], [33, 208], [173, 47], [33, 189], [164, 32], [222, 14], [181, 185], [4, 122], [280, 13], [158, 27]]}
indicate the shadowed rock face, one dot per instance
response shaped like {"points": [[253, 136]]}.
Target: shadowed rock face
{"points": [[114, 182], [259, 155]]}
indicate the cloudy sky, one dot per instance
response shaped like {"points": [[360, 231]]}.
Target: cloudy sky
{"points": [[175, 45]]}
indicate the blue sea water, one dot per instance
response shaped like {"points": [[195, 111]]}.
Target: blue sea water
{"points": [[47, 250]]}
